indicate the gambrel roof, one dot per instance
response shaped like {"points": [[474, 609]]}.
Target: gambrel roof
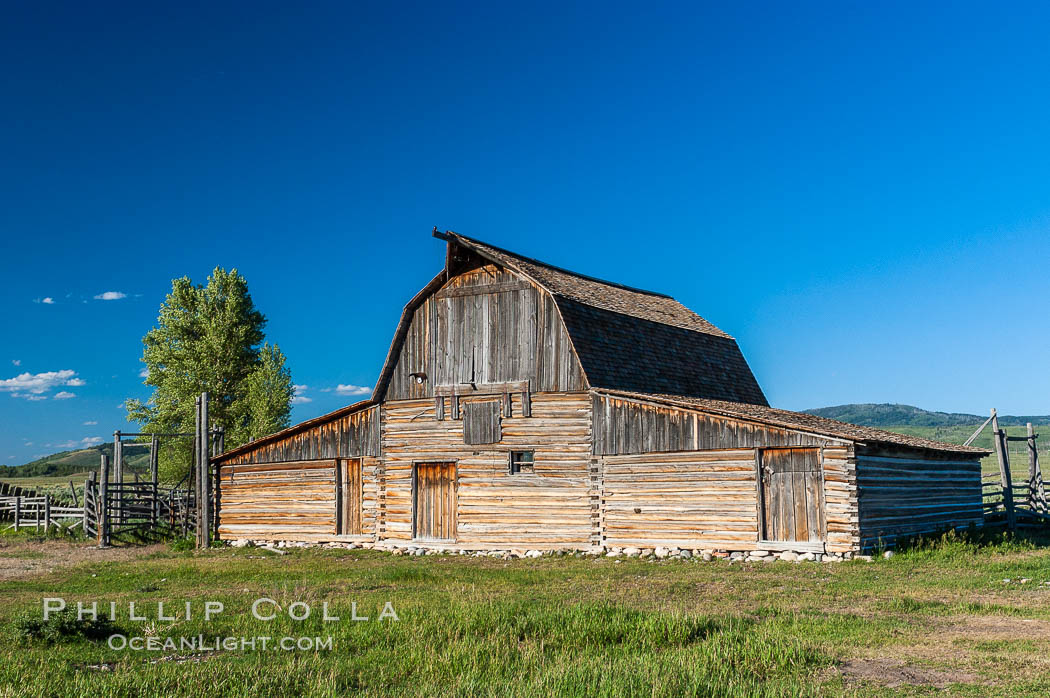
{"points": [[625, 338], [596, 293]]}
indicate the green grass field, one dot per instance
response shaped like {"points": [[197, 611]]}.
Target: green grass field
{"points": [[929, 618], [47, 482]]}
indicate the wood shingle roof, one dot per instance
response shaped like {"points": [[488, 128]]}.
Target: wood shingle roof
{"points": [[629, 339], [801, 421]]}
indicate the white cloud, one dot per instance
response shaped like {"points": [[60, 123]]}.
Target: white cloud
{"points": [[111, 296], [16, 362], [352, 389], [48, 301], [299, 398], [144, 373], [32, 386], [64, 395], [90, 423], [83, 443]]}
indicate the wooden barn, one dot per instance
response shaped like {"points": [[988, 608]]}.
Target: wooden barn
{"points": [[525, 406]]}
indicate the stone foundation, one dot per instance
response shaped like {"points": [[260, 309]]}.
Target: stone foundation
{"points": [[660, 553]]}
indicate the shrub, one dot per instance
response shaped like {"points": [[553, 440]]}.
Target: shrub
{"points": [[63, 626]]}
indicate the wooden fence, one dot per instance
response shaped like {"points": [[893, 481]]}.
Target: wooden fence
{"points": [[39, 513], [1021, 504], [136, 510]]}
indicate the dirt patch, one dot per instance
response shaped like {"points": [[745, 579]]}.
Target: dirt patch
{"points": [[995, 627], [893, 673], [20, 559]]}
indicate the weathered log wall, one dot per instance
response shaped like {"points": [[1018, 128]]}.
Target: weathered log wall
{"points": [[839, 468], [487, 325], [623, 426], [905, 496], [709, 500], [349, 436], [548, 509], [291, 501], [693, 500]]}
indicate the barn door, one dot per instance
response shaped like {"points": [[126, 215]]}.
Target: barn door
{"points": [[348, 497], [792, 494], [435, 505]]}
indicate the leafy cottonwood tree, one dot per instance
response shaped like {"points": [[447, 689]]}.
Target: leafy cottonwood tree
{"points": [[210, 338]]}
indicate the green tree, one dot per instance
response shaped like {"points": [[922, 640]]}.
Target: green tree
{"points": [[210, 338]]}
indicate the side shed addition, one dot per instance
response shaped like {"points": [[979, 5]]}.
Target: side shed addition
{"points": [[713, 474]]}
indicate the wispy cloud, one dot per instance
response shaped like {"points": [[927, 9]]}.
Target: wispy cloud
{"points": [[352, 389], [110, 296], [16, 362], [299, 398], [83, 443], [46, 301], [32, 386], [90, 423], [64, 395], [144, 373]]}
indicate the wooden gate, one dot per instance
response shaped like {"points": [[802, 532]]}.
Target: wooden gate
{"points": [[348, 497], [435, 501], [792, 495]]}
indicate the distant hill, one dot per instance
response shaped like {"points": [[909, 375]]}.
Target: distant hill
{"points": [[894, 415], [65, 463]]}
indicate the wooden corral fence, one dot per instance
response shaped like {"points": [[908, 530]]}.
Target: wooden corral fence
{"points": [[1007, 502], [117, 509], [136, 510], [40, 513], [8, 490]]}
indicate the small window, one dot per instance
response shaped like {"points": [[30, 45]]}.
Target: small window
{"points": [[521, 462]]}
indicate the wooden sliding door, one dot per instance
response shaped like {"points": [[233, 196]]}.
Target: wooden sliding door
{"points": [[348, 497], [792, 495]]}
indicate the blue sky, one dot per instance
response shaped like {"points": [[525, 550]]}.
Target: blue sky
{"points": [[860, 193]]}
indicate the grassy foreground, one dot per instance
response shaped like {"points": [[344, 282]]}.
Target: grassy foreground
{"points": [[939, 617]]}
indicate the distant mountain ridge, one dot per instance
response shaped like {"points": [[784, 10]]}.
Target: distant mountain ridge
{"points": [[894, 415], [136, 456]]}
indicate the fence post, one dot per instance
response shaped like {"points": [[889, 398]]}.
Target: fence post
{"points": [[47, 512], [90, 503], [103, 503], [1036, 495], [1003, 456], [204, 511], [154, 476], [118, 474], [18, 511], [197, 469]]}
